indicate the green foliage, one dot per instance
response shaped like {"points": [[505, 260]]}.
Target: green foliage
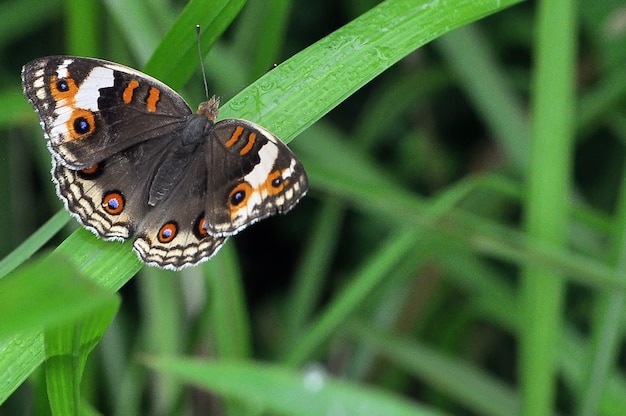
{"points": [[461, 249]]}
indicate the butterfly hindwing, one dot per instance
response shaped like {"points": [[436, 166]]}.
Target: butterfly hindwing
{"points": [[173, 234]]}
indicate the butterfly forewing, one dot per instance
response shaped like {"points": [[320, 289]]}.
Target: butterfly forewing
{"points": [[91, 109]]}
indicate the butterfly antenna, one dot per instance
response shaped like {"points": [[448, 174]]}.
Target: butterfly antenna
{"points": [[206, 87]]}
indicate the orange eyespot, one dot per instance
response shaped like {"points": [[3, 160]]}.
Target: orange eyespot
{"points": [[275, 183], [81, 124], [62, 88], [168, 232], [91, 169], [92, 172], [199, 227], [113, 202], [239, 195]]}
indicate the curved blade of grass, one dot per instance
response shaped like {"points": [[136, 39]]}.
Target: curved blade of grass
{"points": [[19, 357], [110, 264], [301, 90], [301, 394]]}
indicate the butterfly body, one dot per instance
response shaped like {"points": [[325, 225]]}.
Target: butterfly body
{"points": [[131, 159]]}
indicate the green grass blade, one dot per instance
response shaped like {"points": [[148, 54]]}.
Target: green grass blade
{"points": [[19, 356], [550, 184], [303, 394], [281, 99], [110, 264]]}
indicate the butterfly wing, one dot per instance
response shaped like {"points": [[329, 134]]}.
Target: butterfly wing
{"points": [[252, 175], [174, 235], [92, 109], [111, 200]]}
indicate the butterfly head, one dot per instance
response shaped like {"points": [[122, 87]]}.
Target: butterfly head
{"points": [[210, 108]]}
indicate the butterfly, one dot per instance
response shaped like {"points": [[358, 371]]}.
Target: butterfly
{"points": [[130, 159]]}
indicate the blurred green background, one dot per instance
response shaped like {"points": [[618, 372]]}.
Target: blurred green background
{"points": [[460, 250]]}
